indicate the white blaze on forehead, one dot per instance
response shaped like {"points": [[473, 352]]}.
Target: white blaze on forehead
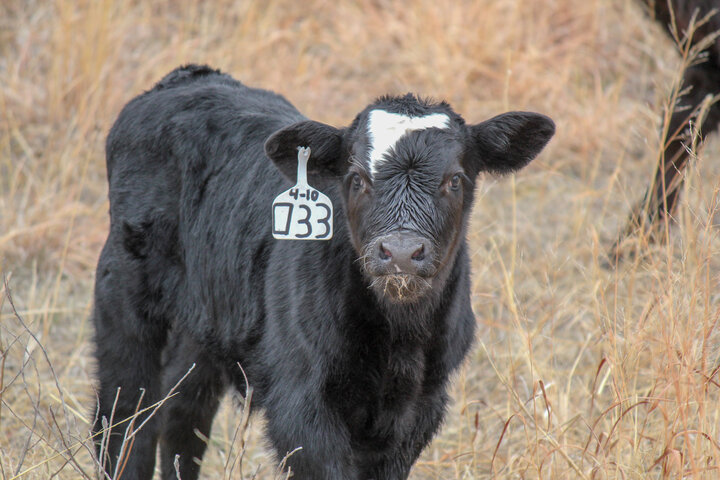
{"points": [[385, 129]]}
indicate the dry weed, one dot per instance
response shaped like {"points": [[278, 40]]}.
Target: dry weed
{"points": [[579, 371]]}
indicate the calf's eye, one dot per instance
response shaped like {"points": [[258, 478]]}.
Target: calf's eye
{"points": [[455, 183], [357, 182]]}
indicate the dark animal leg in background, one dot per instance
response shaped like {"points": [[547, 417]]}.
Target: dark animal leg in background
{"points": [[664, 192], [193, 408], [660, 201], [705, 80]]}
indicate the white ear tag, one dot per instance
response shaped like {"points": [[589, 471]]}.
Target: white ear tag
{"points": [[302, 213]]}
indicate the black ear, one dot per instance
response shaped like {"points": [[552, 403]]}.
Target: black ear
{"points": [[325, 144], [508, 142]]}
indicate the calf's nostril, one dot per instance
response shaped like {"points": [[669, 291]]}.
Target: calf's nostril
{"points": [[385, 254], [419, 254]]}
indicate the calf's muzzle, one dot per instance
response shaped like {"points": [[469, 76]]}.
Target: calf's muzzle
{"points": [[404, 253]]}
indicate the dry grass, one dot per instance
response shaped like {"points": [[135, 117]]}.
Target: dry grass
{"points": [[579, 371]]}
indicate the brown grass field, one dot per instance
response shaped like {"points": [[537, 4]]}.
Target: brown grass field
{"points": [[580, 370]]}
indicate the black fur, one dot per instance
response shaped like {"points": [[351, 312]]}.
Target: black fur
{"points": [[191, 274], [700, 80]]}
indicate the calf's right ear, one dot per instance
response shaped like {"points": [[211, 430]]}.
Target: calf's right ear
{"points": [[508, 142], [325, 144]]}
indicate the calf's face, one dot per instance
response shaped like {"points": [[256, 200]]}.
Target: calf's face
{"points": [[404, 199], [407, 169]]}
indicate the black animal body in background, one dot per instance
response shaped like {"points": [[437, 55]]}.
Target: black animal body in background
{"points": [[348, 343], [700, 80]]}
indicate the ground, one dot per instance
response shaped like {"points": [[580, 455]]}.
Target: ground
{"points": [[580, 370]]}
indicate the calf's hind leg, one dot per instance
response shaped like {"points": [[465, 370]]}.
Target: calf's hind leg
{"points": [[128, 344]]}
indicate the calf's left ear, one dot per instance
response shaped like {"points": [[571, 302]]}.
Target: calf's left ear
{"points": [[325, 144], [508, 142]]}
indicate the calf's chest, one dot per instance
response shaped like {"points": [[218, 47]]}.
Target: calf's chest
{"points": [[379, 392]]}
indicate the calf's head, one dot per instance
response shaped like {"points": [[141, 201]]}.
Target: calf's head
{"points": [[407, 168]]}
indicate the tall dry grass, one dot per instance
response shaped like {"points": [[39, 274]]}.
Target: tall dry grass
{"points": [[580, 371]]}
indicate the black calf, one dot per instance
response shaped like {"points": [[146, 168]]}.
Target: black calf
{"points": [[348, 342]]}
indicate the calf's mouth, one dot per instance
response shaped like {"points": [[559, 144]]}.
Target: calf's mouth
{"points": [[401, 287]]}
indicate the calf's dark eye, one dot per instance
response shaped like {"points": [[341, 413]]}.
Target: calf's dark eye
{"points": [[357, 182], [455, 183]]}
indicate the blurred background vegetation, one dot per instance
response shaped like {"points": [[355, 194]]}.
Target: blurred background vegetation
{"points": [[579, 371]]}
